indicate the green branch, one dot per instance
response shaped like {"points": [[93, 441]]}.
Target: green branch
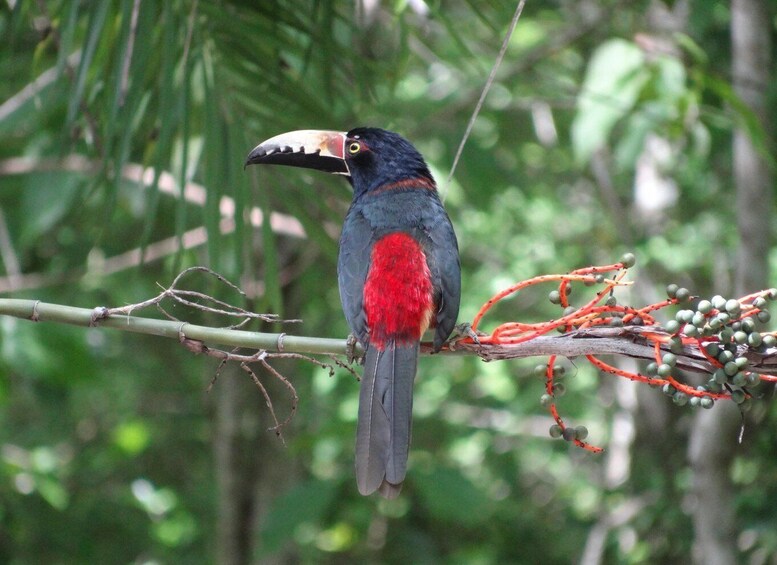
{"points": [[37, 311], [627, 341]]}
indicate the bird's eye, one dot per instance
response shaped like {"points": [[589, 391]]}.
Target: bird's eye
{"points": [[354, 147]]}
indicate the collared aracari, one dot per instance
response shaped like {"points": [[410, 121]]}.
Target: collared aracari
{"points": [[398, 272]]}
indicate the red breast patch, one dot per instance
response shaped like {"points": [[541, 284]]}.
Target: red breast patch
{"points": [[398, 291]]}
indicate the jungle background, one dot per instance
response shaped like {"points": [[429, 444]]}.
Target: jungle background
{"points": [[612, 126]]}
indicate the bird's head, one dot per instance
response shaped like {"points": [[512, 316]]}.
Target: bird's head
{"points": [[371, 158]]}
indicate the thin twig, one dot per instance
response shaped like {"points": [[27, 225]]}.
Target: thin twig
{"points": [[181, 296], [486, 88]]}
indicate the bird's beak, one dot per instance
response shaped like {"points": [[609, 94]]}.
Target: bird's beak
{"points": [[311, 149]]}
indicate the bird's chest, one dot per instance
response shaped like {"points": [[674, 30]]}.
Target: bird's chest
{"points": [[398, 291]]}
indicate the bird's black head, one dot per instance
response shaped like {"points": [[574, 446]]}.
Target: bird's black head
{"points": [[371, 158], [377, 158]]}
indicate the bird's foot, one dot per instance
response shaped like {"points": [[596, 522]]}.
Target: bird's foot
{"points": [[460, 332], [350, 349]]}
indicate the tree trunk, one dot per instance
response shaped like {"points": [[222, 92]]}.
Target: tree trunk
{"points": [[714, 438], [234, 465]]}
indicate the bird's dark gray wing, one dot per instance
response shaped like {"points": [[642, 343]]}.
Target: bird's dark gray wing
{"points": [[443, 260], [353, 264]]}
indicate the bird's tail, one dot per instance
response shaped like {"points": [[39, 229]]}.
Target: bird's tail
{"points": [[385, 415]]}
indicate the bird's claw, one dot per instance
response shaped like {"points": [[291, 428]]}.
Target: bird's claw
{"points": [[350, 349], [460, 332]]}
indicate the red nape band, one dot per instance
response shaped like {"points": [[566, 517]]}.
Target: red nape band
{"points": [[398, 291], [416, 182]]}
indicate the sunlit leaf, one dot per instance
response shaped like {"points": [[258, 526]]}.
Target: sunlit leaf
{"points": [[612, 83]]}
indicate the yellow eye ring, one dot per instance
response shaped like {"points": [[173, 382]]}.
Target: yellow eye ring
{"points": [[354, 147]]}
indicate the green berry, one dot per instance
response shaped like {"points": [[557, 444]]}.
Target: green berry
{"points": [[628, 260], [704, 306], [752, 379], [671, 290], [669, 359], [684, 316], [569, 310], [676, 345], [707, 402], [738, 396], [748, 325], [772, 294], [740, 337], [683, 294], [540, 370], [723, 317], [554, 296], [769, 340], [741, 362], [739, 379], [763, 316], [698, 319], [672, 326], [616, 322], [559, 371], [725, 335], [546, 400], [712, 386], [725, 356], [712, 349], [691, 330], [600, 279], [555, 431], [754, 339], [680, 398], [664, 370], [668, 389], [694, 401], [760, 302], [559, 389], [718, 302], [569, 434], [611, 301], [733, 307], [652, 368], [581, 432], [730, 368], [720, 376]]}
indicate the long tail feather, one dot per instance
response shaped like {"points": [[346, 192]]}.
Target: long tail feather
{"points": [[385, 417]]}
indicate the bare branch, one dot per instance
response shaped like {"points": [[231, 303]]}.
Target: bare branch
{"points": [[627, 340]]}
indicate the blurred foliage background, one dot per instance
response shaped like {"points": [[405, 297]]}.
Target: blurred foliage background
{"points": [[609, 128]]}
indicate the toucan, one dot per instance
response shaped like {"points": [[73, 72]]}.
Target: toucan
{"points": [[398, 271]]}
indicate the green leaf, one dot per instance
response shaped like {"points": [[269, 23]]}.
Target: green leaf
{"points": [[47, 198], [613, 81], [96, 22]]}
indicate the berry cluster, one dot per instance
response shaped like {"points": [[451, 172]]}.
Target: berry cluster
{"points": [[725, 330], [720, 332]]}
